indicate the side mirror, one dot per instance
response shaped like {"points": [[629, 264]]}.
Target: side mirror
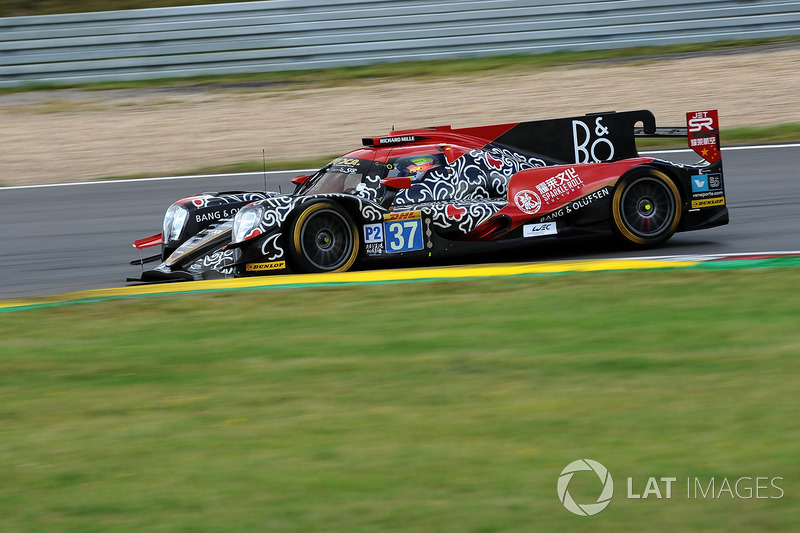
{"points": [[397, 183], [299, 180], [392, 186]]}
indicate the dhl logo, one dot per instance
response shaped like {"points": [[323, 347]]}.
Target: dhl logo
{"points": [[405, 215]]}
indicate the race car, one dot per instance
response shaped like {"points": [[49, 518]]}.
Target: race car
{"points": [[431, 193]]}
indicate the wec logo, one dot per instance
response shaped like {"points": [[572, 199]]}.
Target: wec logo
{"points": [[587, 509]]}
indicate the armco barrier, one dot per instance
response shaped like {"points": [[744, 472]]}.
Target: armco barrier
{"points": [[280, 35]]}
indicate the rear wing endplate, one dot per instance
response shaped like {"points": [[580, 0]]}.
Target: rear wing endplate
{"points": [[701, 132]]}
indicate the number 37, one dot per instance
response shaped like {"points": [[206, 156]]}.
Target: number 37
{"points": [[404, 236]]}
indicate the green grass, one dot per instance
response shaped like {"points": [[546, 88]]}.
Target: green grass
{"points": [[426, 70], [779, 133], [403, 407]]}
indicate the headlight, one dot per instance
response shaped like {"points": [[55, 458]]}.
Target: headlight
{"points": [[247, 219], [174, 221]]}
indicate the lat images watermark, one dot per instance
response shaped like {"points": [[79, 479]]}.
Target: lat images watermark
{"points": [[741, 488], [585, 509]]}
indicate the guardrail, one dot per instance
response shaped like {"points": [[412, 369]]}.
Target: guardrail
{"points": [[281, 35]]}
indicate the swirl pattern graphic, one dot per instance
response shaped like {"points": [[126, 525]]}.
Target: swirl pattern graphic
{"points": [[477, 175]]}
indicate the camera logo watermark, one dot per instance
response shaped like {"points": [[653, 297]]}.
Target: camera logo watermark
{"points": [[741, 488], [585, 509]]}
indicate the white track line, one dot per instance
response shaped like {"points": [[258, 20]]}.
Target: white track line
{"points": [[724, 149], [709, 257], [165, 178], [300, 171]]}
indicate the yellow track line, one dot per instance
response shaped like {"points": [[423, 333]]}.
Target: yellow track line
{"points": [[369, 276]]}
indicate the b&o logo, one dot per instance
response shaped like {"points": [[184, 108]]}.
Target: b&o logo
{"points": [[586, 509]]}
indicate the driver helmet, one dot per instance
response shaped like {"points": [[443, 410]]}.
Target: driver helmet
{"points": [[417, 166]]}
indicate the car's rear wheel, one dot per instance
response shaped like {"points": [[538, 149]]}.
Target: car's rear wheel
{"points": [[646, 208], [324, 239]]}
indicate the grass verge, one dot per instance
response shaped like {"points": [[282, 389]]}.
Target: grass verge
{"points": [[512, 64], [406, 407]]}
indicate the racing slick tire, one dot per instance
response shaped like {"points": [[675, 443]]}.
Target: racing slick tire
{"points": [[323, 239], [645, 208]]}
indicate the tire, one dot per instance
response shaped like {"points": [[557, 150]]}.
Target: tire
{"points": [[324, 239], [646, 208]]}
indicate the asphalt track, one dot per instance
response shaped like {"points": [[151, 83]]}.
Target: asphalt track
{"points": [[77, 237]]}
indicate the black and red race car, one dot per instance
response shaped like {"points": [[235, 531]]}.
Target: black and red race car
{"points": [[438, 192]]}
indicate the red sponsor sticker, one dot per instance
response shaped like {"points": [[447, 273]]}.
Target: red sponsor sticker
{"points": [[703, 127]]}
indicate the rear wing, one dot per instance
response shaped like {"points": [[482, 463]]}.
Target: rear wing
{"points": [[660, 132], [701, 132], [592, 138]]}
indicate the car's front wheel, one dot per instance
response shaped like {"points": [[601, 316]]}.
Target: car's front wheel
{"points": [[324, 239], [646, 208]]}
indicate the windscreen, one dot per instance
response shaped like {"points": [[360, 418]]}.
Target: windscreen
{"points": [[341, 175]]}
